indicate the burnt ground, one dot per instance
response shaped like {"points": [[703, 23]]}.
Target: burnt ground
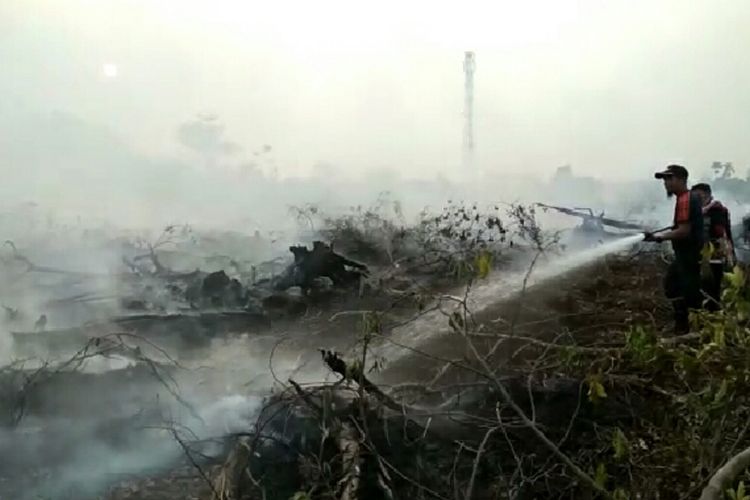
{"points": [[604, 297]]}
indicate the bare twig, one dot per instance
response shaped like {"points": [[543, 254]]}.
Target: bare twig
{"points": [[477, 459], [534, 428], [196, 466], [541, 343]]}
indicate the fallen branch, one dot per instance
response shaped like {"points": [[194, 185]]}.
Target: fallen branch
{"points": [[354, 372], [351, 462], [726, 475], [306, 398], [229, 483]]}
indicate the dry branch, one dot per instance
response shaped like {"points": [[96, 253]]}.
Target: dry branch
{"points": [[723, 478], [351, 462], [541, 343], [230, 480], [354, 372]]}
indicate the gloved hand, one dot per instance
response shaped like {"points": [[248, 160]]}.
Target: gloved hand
{"points": [[651, 237]]}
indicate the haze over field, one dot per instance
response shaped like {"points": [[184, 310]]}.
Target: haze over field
{"points": [[132, 98]]}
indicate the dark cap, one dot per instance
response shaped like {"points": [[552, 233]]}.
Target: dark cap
{"points": [[706, 188], [673, 171]]}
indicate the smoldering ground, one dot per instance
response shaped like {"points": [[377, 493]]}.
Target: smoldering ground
{"points": [[82, 416], [88, 426], [78, 416]]}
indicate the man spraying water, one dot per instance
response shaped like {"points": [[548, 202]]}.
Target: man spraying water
{"points": [[682, 282]]}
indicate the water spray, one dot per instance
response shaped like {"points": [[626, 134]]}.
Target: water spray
{"points": [[500, 290], [568, 263]]}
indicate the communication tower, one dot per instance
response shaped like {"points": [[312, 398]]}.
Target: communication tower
{"points": [[468, 143]]}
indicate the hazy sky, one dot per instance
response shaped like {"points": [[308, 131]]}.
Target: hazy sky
{"points": [[615, 86]]}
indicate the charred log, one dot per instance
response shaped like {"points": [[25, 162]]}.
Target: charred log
{"points": [[320, 262]]}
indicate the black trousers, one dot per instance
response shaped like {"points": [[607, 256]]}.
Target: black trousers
{"points": [[712, 287], [682, 286]]}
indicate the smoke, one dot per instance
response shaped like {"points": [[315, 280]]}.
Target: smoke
{"points": [[91, 216], [82, 200], [110, 420], [80, 457], [93, 166]]}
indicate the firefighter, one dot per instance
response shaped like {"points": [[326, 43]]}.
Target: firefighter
{"points": [[683, 280], [718, 254]]}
